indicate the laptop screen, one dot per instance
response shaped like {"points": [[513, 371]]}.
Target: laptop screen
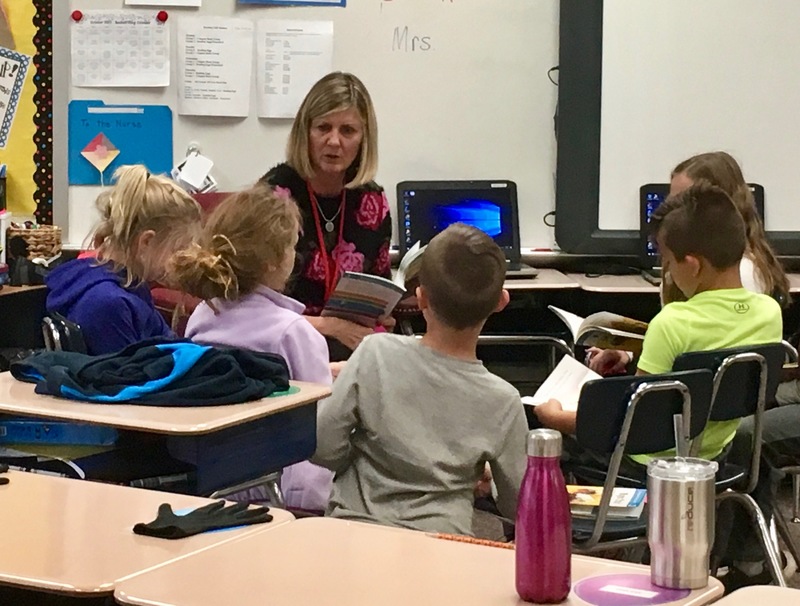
{"points": [[428, 207], [650, 197]]}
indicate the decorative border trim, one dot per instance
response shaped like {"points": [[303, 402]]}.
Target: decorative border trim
{"points": [[43, 119]]}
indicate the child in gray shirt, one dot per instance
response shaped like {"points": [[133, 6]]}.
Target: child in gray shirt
{"points": [[411, 423]]}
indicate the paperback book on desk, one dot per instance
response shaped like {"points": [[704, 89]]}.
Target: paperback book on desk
{"points": [[604, 330], [626, 503], [365, 298]]}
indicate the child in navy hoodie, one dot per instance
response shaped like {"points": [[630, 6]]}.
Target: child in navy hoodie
{"points": [[145, 218]]}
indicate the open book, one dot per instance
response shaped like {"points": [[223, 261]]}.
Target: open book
{"points": [[563, 384], [364, 298], [604, 330], [626, 503], [408, 270]]}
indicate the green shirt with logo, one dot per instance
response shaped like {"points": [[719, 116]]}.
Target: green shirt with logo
{"points": [[714, 319]]}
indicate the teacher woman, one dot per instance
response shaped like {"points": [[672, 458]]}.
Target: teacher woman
{"points": [[331, 160]]}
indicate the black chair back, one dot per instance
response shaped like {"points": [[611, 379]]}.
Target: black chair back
{"points": [[61, 334], [737, 388], [604, 402]]}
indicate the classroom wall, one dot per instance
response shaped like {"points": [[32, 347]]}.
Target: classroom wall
{"points": [[476, 105], [684, 77]]}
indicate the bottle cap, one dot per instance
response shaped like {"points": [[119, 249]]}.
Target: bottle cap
{"points": [[682, 469], [544, 443]]}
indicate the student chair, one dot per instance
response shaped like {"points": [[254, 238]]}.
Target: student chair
{"points": [[621, 416], [745, 378], [793, 470], [61, 334]]}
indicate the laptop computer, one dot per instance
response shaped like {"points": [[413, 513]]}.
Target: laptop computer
{"points": [[427, 207], [650, 198]]}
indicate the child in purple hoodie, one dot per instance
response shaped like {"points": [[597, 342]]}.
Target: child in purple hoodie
{"points": [[145, 218], [240, 267]]}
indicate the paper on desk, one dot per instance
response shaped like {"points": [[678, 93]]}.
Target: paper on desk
{"points": [[215, 61], [119, 48], [291, 56], [563, 384]]}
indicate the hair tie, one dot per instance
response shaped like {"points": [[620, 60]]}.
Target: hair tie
{"points": [[226, 240]]}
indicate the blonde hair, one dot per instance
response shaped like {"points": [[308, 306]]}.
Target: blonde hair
{"points": [[719, 168], [139, 202], [246, 234], [335, 92]]}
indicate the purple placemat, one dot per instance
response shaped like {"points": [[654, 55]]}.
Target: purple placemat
{"points": [[625, 590]]}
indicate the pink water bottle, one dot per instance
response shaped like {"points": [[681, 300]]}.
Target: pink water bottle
{"points": [[544, 525]]}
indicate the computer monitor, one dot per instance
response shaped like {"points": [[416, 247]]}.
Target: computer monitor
{"points": [[650, 198], [426, 208]]}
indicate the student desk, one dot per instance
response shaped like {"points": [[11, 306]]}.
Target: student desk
{"points": [[637, 284], [634, 284], [765, 595], [75, 537], [546, 279], [229, 444], [334, 562]]}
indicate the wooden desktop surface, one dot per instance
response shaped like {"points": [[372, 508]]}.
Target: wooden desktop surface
{"points": [[763, 595], [75, 536], [15, 290], [334, 562], [614, 284], [546, 279], [18, 398], [637, 284]]}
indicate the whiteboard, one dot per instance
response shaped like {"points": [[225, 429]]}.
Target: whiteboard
{"points": [[476, 105], [684, 77]]}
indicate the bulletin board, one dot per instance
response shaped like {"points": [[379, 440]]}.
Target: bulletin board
{"points": [[460, 89], [26, 28]]}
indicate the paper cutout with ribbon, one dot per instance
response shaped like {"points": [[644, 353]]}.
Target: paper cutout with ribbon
{"points": [[100, 152]]}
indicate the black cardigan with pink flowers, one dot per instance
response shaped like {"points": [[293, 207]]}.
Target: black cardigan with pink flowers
{"points": [[365, 238]]}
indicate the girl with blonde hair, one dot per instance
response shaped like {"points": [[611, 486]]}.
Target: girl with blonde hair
{"points": [[144, 219], [331, 161], [240, 267], [759, 269]]}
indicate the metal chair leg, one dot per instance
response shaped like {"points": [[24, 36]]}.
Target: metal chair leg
{"points": [[796, 499], [760, 525], [786, 536]]}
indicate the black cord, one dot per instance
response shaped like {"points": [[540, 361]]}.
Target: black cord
{"points": [[550, 74], [546, 215]]}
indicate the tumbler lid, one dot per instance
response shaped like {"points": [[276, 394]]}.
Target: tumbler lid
{"points": [[544, 443], [687, 469]]}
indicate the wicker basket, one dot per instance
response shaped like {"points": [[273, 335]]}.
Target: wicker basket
{"points": [[44, 241]]}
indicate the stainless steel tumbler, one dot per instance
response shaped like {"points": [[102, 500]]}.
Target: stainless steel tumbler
{"points": [[680, 498]]}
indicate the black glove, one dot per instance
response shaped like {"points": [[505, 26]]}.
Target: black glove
{"points": [[3, 469], [167, 525]]}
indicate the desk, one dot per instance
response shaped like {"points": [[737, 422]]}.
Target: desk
{"points": [[334, 562], [18, 398], [75, 537], [637, 284], [614, 284], [547, 279], [766, 595], [228, 444]]}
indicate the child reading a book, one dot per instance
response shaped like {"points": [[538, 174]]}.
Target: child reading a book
{"points": [[240, 267], [718, 312], [411, 423], [760, 270]]}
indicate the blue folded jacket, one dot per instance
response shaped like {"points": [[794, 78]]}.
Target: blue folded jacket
{"points": [[159, 372]]}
